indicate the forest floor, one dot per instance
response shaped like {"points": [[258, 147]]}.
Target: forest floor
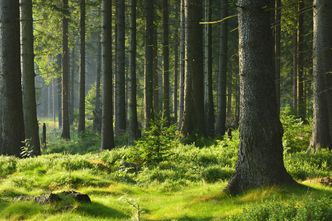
{"points": [[186, 184]]}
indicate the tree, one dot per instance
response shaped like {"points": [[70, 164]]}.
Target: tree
{"points": [[322, 67], [148, 66], [182, 61], [28, 77], [222, 74], [208, 98], [107, 135], [176, 66], [132, 101], [120, 120], [193, 116], [65, 73], [260, 158], [277, 47], [166, 100], [11, 109], [97, 110], [81, 118]]}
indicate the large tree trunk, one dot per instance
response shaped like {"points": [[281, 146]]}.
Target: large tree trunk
{"points": [[222, 74], [65, 74], [120, 122], [97, 110], [132, 101], [277, 48], [107, 135], [81, 117], [28, 74], [11, 110], [149, 52], [322, 68], [208, 98], [166, 95], [181, 63], [193, 119], [260, 158]]}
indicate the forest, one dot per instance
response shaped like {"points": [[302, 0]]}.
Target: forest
{"points": [[163, 110]]}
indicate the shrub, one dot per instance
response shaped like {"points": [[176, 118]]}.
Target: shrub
{"points": [[215, 173]]}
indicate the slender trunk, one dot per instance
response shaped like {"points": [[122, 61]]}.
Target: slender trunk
{"points": [[11, 109], [176, 67], [97, 110], [182, 62], [72, 86], [294, 86], [132, 102], [156, 85], [229, 93], [277, 48], [107, 135], [81, 117], [166, 100], [222, 74]]}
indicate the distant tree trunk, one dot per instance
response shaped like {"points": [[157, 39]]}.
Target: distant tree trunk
{"points": [[59, 105], [132, 102], [166, 100], [294, 86], [222, 74], [120, 122], [182, 62], [107, 135], [277, 48], [260, 160], [28, 80], [97, 110], [149, 52], [156, 85], [72, 86], [322, 68], [300, 51], [193, 119], [208, 98], [11, 109], [176, 67], [65, 74], [81, 117], [229, 93]]}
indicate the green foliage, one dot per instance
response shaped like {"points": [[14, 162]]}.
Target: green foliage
{"points": [[213, 174], [27, 149]]}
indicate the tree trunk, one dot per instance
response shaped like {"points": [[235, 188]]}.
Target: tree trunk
{"points": [[149, 53], [132, 101], [72, 86], [107, 135], [166, 109], [260, 158], [294, 83], [176, 67], [120, 122], [277, 48], [193, 119], [81, 117], [156, 85], [28, 80], [182, 62], [65, 74], [222, 74], [11, 109], [322, 67], [97, 110]]}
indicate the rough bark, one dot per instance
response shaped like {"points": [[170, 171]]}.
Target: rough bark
{"points": [[260, 157], [28, 77], [11, 109], [322, 68], [132, 101], [148, 70], [120, 119], [176, 67], [277, 48], [65, 73], [193, 119], [166, 95], [81, 117], [107, 135], [222, 74]]}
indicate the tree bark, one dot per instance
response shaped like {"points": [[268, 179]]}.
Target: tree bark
{"points": [[166, 99], [260, 158], [65, 74], [81, 117], [322, 68], [97, 110], [107, 135], [181, 63], [132, 101], [120, 122], [222, 74], [11, 109], [277, 48], [176, 67]]}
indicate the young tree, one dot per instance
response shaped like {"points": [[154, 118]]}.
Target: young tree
{"points": [[107, 135], [28, 77], [81, 118], [65, 73], [322, 68], [148, 66], [193, 116], [132, 101], [166, 109], [222, 74], [11, 109], [120, 120], [260, 158]]}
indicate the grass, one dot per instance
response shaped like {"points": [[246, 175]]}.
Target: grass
{"points": [[186, 185]]}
